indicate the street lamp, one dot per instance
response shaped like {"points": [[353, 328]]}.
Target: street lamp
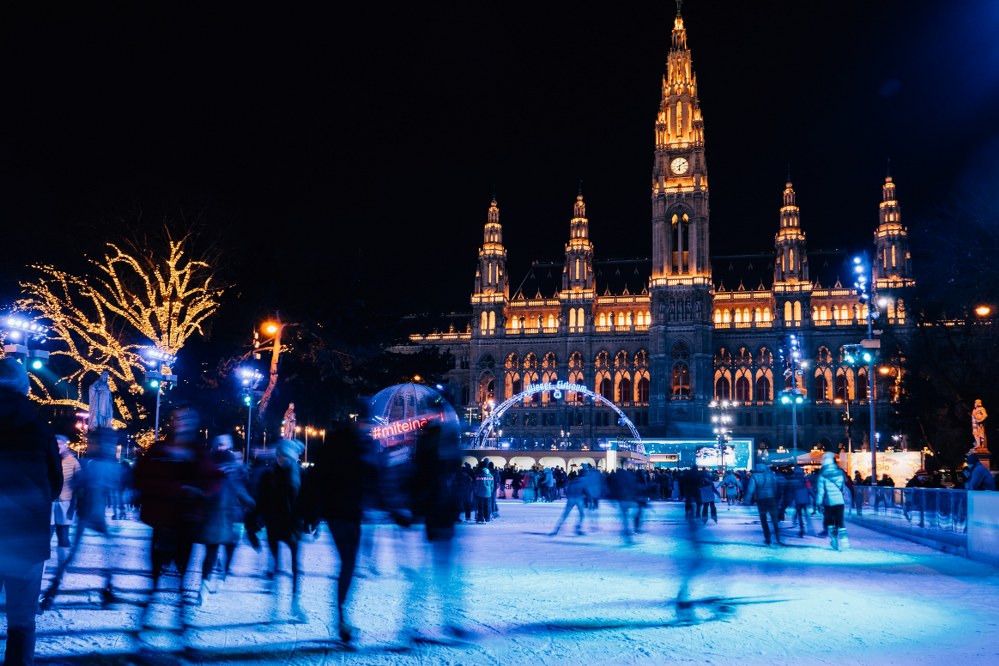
{"points": [[249, 379], [793, 396], [20, 331], [722, 423], [865, 288], [848, 421], [158, 379]]}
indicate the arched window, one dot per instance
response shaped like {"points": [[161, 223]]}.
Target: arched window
{"points": [[742, 389], [572, 317], [642, 392], [624, 389], [788, 311], [797, 310], [821, 385], [723, 389], [602, 319], [604, 386], [484, 323], [681, 379], [551, 321], [762, 392]]}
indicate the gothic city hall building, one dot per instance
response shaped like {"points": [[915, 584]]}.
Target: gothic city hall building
{"points": [[658, 340]]}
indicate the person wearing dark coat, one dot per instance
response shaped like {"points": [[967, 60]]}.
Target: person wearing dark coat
{"points": [[344, 476], [435, 503], [463, 482], [278, 507], [802, 498], [690, 490], [762, 490], [30, 480], [981, 478], [166, 478]]}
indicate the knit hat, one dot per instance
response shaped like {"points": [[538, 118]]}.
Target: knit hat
{"points": [[13, 376], [972, 460]]}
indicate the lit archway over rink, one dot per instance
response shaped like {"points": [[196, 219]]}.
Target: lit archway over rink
{"points": [[557, 389]]}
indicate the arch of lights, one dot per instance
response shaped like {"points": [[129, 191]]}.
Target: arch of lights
{"points": [[557, 390]]}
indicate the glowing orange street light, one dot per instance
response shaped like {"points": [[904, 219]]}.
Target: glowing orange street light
{"points": [[983, 310]]}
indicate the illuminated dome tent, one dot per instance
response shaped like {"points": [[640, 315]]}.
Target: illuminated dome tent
{"points": [[398, 416]]}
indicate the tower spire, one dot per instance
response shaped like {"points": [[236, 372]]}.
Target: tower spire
{"points": [[578, 272]]}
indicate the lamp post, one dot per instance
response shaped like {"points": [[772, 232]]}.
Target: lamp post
{"points": [[865, 288], [20, 331], [722, 422], [848, 421], [158, 379], [249, 379], [793, 396]]}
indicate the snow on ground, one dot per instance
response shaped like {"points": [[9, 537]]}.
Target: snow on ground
{"points": [[568, 599]]}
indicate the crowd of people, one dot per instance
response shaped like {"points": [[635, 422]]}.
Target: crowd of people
{"points": [[190, 491]]}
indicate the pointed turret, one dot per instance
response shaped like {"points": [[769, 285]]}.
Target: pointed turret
{"points": [[791, 261], [891, 240], [578, 272], [679, 174], [490, 277]]}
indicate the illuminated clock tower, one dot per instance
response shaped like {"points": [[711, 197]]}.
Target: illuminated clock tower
{"points": [[680, 284]]}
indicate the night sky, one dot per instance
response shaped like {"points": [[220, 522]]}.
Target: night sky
{"points": [[356, 150]]}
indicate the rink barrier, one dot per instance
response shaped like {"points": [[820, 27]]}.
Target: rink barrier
{"points": [[934, 517], [983, 526]]}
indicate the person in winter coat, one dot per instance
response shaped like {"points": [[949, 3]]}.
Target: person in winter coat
{"points": [[94, 487], [483, 489], [278, 507], [981, 478], [64, 508], [831, 494], [802, 499], [344, 477], [166, 477], [708, 491], [731, 485], [690, 489], [436, 460], [762, 490], [575, 498], [463, 479], [623, 488], [30, 479], [226, 498]]}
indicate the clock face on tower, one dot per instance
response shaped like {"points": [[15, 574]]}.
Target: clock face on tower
{"points": [[679, 166]]}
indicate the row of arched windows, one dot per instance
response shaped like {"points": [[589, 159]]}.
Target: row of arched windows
{"points": [[622, 380], [745, 376]]}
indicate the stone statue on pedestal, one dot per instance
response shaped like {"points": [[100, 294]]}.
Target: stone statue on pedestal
{"points": [[978, 416], [100, 404]]}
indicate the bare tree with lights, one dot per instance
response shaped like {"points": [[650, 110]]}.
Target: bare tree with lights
{"points": [[136, 296]]}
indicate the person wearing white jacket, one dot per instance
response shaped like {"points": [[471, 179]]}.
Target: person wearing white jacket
{"points": [[831, 495]]}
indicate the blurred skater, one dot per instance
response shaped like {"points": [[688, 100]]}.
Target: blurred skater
{"points": [[223, 498], [30, 479], [64, 508], [166, 477], [278, 507], [575, 498], [435, 503], [93, 486], [340, 484]]}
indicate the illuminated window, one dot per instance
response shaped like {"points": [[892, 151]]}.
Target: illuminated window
{"points": [[797, 310], [788, 311], [572, 317]]}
